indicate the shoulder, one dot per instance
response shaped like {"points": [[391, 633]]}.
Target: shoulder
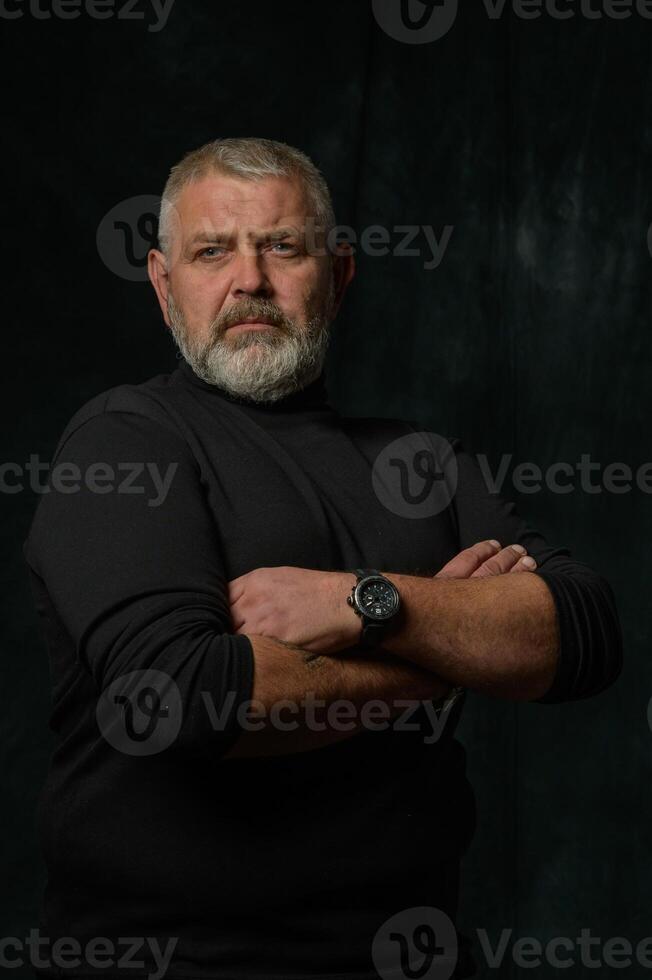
{"points": [[150, 400]]}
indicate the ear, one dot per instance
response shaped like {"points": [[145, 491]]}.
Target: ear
{"points": [[157, 269], [343, 273]]}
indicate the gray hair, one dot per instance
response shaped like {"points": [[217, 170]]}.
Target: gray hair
{"points": [[248, 158]]}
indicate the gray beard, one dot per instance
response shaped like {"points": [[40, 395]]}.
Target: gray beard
{"points": [[260, 366]]}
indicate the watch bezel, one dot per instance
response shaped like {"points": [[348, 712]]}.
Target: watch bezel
{"points": [[367, 580]]}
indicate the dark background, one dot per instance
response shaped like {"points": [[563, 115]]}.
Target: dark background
{"points": [[533, 140]]}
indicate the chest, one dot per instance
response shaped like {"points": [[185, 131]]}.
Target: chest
{"points": [[320, 493]]}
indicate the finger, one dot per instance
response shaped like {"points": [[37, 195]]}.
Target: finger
{"points": [[525, 564], [467, 561], [503, 562], [235, 589], [237, 617]]}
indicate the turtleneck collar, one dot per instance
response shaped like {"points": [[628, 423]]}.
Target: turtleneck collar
{"points": [[313, 396]]}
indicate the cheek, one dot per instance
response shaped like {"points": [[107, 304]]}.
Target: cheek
{"points": [[299, 294], [202, 299]]}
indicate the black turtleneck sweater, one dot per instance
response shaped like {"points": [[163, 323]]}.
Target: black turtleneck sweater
{"points": [[269, 868]]}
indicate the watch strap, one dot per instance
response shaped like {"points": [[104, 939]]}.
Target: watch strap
{"points": [[372, 630]]}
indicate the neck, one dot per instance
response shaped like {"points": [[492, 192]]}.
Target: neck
{"points": [[312, 395]]}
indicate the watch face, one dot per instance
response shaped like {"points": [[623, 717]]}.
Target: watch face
{"points": [[378, 599]]}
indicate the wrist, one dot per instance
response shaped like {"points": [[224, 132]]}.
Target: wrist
{"points": [[350, 631]]}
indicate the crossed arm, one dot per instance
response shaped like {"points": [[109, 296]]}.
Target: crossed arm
{"points": [[158, 600], [478, 623]]}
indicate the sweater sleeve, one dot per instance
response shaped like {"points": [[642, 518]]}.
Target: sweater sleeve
{"points": [[132, 566], [590, 651]]}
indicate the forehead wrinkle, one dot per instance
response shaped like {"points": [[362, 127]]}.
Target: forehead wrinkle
{"points": [[234, 199], [208, 231]]}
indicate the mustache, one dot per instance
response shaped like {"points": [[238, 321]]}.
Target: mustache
{"points": [[264, 309]]}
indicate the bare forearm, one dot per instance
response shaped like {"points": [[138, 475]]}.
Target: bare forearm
{"points": [[498, 635], [305, 701]]}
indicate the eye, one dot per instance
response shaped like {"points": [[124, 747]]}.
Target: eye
{"points": [[210, 252], [286, 247]]}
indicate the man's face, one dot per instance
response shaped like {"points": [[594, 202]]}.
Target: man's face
{"points": [[243, 250]]}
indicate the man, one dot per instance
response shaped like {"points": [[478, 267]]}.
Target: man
{"points": [[265, 549]]}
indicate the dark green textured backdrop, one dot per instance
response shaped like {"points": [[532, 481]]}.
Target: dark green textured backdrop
{"points": [[532, 337]]}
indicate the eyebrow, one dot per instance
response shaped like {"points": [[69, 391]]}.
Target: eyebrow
{"points": [[217, 238]]}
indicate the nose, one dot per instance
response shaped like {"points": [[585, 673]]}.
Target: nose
{"points": [[249, 278]]}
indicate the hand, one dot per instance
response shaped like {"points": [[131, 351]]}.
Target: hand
{"points": [[307, 608], [299, 606], [488, 558]]}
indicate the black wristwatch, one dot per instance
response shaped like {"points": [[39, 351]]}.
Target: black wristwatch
{"points": [[377, 601]]}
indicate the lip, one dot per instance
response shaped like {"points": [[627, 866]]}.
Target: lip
{"points": [[250, 323]]}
